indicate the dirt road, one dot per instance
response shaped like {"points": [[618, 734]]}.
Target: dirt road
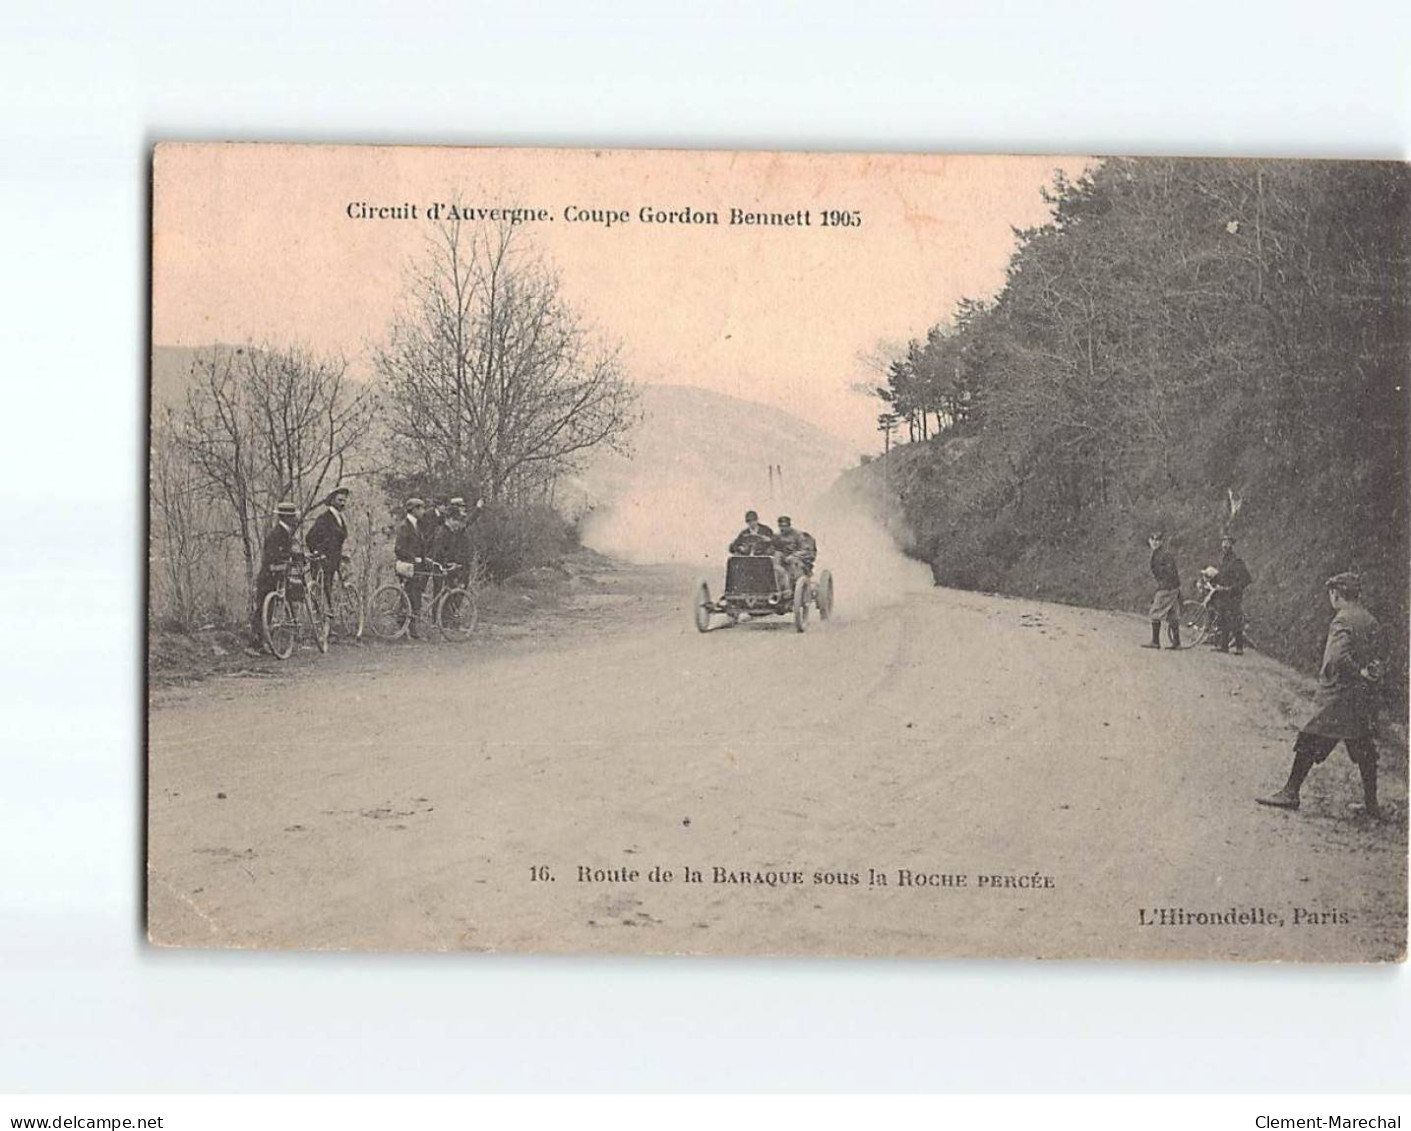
{"points": [[1024, 778]]}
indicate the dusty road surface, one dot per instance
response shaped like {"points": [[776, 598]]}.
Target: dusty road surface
{"points": [[1023, 777]]}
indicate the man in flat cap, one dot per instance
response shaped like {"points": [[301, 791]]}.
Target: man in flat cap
{"points": [[1166, 605], [1346, 697], [794, 550], [755, 538], [410, 552], [326, 537], [274, 559]]}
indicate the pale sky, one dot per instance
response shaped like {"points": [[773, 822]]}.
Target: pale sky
{"points": [[255, 242]]}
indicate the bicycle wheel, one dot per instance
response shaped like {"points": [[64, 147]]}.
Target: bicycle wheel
{"points": [[1195, 622], [348, 613], [457, 614], [320, 619], [278, 626], [389, 612]]}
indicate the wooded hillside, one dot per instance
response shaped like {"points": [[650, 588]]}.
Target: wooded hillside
{"points": [[1183, 332]]}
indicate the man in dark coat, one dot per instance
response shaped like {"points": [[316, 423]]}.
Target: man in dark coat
{"points": [[1347, 683], [755, 538], [1166, 605], [794, 549], [1230, 584], [274, 560], [410, 553], [327, 536], [450, 546]]}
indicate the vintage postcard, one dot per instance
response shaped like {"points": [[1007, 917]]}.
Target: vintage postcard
{"points": [[717, 553]]}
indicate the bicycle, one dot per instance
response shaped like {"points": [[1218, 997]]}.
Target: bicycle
{"points": [[1201, 619], [453, 610], [349, 616], [279, 615]]}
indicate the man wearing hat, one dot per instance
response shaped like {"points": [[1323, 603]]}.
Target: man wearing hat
{"points": [[450, 544], [274, 557], [794, 550], [1166, 605], [409, 550], [327, 536], [1231, 582], [755, 538], [1346, 697]]}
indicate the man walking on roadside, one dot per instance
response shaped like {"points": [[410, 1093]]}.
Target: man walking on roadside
{"points": [[1166, 605], [1233, 579], [1352, 668]]}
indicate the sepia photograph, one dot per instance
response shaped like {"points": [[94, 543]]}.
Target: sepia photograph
{"points": [[777, 553]]}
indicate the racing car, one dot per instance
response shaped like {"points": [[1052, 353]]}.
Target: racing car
{"points": [[751, 591]]}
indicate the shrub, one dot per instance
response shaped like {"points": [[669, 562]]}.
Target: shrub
{"points": [[512, 539]]}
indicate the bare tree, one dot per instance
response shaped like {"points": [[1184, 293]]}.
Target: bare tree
{"points": [[176, 532], [261, 425], [491, 378]]}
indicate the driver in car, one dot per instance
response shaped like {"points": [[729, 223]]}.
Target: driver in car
{"points": [[794, 551], [754, 539], [757, 540]]}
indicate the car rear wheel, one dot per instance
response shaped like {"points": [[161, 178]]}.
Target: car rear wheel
{"points": [[702, 607], [823, 594]]}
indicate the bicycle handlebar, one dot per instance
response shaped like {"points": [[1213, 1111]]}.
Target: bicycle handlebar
{"points": [[437, 570]]}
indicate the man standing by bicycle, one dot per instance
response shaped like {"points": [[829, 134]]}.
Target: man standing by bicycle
{"points": [[326, 537], [1166, 605], [1230, 583], [450, 546], [274, 558], [410, 553]]}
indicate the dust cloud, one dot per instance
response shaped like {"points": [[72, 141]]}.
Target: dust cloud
{"points": [[690, 522], [869, 569]]}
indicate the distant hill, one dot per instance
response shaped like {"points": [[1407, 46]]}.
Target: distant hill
{"points": [[171, 374], [699, 459]]}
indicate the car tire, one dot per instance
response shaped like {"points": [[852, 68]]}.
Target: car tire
{"points": [[701, 607], [801, 596]]}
